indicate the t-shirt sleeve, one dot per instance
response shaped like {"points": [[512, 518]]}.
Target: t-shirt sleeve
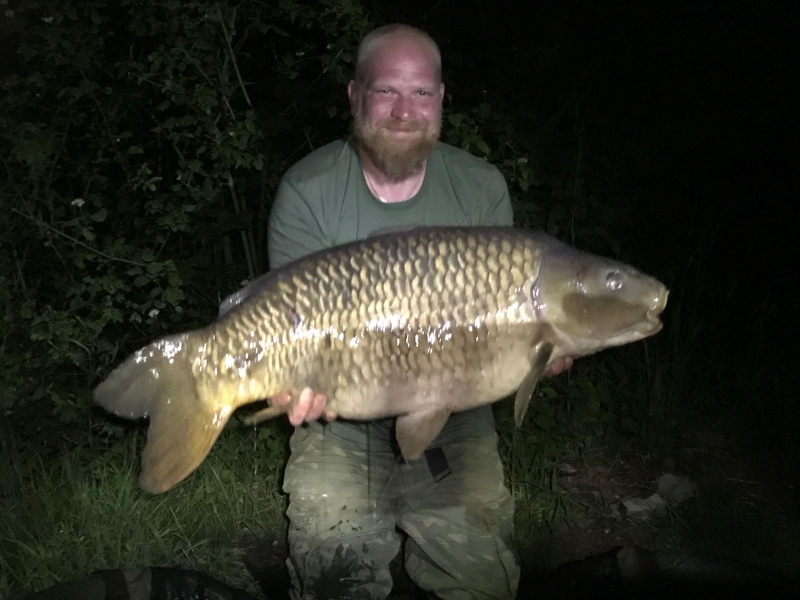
{"points": [[293, 230], [496, 203]]}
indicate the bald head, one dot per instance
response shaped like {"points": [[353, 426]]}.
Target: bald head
{"points": [[393, 38]]}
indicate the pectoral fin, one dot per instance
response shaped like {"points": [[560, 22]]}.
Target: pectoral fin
{"points": [[415, 431], [541, 355]]}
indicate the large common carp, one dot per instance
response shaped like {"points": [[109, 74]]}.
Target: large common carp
{"points": [[415, 325]]}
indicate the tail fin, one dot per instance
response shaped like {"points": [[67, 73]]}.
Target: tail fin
{"points": [[157, 381]]}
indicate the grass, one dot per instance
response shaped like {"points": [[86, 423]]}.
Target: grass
{"points": [[83, 511]]}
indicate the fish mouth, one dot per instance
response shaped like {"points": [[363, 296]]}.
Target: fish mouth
{"points": [[656, 326], [653, 319], [644, 328], [661, 301], [651, 325], [657, 307]]}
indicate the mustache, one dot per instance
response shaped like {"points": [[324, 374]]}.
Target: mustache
{"points": [[406, 126]]}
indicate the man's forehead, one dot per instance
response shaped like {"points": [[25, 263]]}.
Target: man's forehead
{"points": [[403, 76], [402, 56]]}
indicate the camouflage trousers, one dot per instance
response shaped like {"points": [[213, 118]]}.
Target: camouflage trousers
{"points": [[349, 492]]}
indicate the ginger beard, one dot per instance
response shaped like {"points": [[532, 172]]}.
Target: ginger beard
{"points": [[397, 157]]}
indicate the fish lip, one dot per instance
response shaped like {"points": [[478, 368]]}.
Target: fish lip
{"points": [[638, 331], [643, 328], [653, 317], [652, 322], [660, 303]]}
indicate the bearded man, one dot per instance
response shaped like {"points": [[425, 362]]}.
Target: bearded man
{"points": [[349, 490]]}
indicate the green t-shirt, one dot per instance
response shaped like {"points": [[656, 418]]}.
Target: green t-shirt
{"points": [[323, 200]]}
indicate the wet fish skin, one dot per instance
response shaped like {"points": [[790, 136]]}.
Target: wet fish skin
{"points": [[415, 325]]}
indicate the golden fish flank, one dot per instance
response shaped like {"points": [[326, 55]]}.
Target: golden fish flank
{"points": [[415, 325]]}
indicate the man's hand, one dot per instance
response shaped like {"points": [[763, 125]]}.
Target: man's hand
{"points": [[558, 367], [308, 406]]}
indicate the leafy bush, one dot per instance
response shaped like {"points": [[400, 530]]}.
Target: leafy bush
{"points": [[140, 144]]}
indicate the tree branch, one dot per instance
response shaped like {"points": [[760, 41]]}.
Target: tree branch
{"points": [[252, 268], [74, 241], [233, 57]]}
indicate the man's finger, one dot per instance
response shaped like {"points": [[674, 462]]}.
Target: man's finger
{"points": [[308, 406], [316, 407], [561, 365], [298, 408], [280, 399]]}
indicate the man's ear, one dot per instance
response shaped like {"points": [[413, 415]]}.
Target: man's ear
{"points": [[352, 96]]}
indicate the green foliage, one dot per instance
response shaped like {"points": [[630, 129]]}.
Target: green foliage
{"points": [[140, 144], [555, 186]]}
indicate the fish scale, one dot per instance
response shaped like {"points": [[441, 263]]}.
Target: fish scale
{"points": [[378, 301], [415, 325]]}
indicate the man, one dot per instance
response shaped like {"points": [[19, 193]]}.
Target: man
{"points": [[348, 489]]}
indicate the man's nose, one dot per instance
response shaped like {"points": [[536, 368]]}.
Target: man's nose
{"points": [[404, 108]]}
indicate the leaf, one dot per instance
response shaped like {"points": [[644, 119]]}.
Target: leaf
{"points": [[135, 150], [548, 391], [154, 268], [174, 295], [99, 216], [26, 310], [455, 119]]}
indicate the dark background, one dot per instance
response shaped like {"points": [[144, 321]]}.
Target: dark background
{"points": [[709, 88]]}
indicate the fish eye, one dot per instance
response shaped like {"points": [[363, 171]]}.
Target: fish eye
{"points": [[614, 280]]}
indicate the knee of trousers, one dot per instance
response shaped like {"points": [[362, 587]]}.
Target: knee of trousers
{"points": [[340, 547], [341, 536]]}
